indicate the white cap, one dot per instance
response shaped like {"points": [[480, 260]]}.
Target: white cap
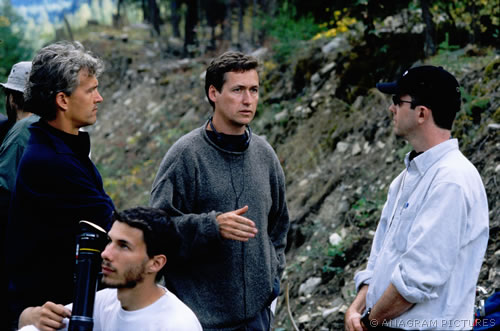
{"points": [[18, 76]]}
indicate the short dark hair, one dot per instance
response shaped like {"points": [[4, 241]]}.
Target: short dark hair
{"points": [[18, 99], [228, 62], [443, 117], [55, 69], [153, 224]]}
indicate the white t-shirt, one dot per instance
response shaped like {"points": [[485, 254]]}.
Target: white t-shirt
{"points": [[166, 314]]}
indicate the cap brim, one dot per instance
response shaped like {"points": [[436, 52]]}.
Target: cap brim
{"points": [[11, 87], [388, 88]]}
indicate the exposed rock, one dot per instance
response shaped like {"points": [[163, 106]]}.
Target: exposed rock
{"points": [[334, 239], [310, 285]]}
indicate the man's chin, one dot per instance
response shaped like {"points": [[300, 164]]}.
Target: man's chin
{"points": [[111, 284]]}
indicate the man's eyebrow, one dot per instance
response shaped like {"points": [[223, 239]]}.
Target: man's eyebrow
{"points": [[93, 87], [124, 242]]}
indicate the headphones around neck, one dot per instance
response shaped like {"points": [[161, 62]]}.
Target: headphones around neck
{"points": [[219, 138]]}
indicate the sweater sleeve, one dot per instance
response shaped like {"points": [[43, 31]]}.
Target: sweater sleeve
{"points": [[279, 221], [172, 191]]}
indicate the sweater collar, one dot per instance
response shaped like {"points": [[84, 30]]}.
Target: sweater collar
{"points": [[64, 142]]}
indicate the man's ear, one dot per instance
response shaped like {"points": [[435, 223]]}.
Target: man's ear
{"points": [[62, 100], [157, 262], [423, 113], [212, 93]]}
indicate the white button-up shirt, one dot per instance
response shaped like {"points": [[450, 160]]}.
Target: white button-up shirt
{"points": [[431, 241]]}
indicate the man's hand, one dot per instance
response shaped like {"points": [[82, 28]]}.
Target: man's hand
{"points": [[48, 317], [236, 227], [352, 320]]}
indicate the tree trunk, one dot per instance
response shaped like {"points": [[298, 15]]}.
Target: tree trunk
{"points": [[475, 33], [241, 32], [266, 7], [429, 43], [254, 22], [189, 27], [227, 25], [176, 18], [154, 16], [145, 12], [68, 27]]}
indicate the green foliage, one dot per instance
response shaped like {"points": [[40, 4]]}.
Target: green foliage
{"points": [[445, 45], [335, 257], [13, 47], [401, 152], [364, 210], [480, 103], [481, 18], [289, 30]]}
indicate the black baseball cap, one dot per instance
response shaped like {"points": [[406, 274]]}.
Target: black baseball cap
{"points": [[431, 86]]}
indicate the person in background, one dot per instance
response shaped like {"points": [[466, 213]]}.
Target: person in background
{"points": [[5, 125], [224, 191], [133, 264], [12, 143], [433, 231], [12, 146], [57, 185], [14, 101]]}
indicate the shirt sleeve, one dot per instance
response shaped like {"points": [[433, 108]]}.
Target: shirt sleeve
{"points": [[432, 244], [365, 276]]}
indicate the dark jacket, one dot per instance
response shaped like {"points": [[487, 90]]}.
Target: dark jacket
{"points": [[225, 282], [57, 186]]}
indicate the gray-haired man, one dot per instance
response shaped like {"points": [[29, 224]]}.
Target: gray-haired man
{"points": [[57, 184]]}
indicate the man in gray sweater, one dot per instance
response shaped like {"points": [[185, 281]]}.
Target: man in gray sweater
{"points": [[224, 190]]}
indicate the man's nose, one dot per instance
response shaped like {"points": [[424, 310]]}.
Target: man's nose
{"points": [[98, 98], [247, 97], [106, 253], [392, 108]]}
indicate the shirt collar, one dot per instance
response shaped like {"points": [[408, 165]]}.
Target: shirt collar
{"points": [[425, 160]]}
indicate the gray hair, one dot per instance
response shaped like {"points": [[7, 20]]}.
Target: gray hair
{"points": [[56, 68]]}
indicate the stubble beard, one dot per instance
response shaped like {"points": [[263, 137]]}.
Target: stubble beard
{"points": [[131, 278]]}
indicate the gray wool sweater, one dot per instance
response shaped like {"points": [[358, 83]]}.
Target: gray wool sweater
{"points": [[225, 282]]}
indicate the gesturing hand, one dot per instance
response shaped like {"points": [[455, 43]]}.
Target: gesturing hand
{"points": [[236, 227]]}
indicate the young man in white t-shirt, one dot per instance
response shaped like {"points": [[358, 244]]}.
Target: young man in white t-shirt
{"points": [[133, 262]]}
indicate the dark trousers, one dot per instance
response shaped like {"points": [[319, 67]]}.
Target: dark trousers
{"points": [[261, 322]]}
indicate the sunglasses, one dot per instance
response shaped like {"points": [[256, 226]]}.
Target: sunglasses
{"points": [[397, 100]]}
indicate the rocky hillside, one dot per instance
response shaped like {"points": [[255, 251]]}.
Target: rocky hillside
{"points": [[331, 130]]}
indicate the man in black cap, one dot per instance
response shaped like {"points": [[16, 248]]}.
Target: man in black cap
{"points": [[433, 232]]}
